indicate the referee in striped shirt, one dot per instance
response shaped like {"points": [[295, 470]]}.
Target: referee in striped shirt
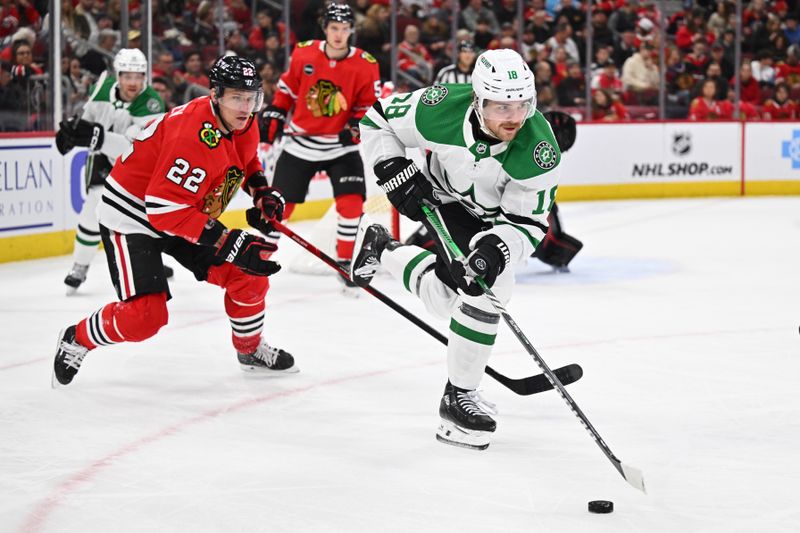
{"points": [[461, 71]]}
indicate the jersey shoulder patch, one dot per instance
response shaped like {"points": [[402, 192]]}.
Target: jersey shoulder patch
{"points": [[304, 44], [149, 102], [369, 58], [533, 152], [441, 112]]}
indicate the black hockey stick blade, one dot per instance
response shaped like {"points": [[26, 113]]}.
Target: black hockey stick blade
{"points": [[538, 383]]}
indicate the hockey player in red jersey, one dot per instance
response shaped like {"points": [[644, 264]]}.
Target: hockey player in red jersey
{"points": [[330, 85], [164, 195]]}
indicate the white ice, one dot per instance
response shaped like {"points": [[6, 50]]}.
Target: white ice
{"points": [[683, 314]]}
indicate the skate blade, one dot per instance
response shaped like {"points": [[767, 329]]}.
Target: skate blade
{"points": [[268, 372], [450, 433], [54, 383], [71, 291]]}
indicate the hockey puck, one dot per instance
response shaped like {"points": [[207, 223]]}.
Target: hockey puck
{"points": [[601, 506]]}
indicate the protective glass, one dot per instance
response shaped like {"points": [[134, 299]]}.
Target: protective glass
{"points": [[241, 101], [506, 111]]}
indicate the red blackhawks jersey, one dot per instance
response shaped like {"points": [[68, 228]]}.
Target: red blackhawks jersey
{"points": [[180, 171], [325, 93]]}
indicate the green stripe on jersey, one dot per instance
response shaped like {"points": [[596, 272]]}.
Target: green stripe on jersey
{"points": [[534, 242], [470, 334], [410, 267], [369, 122]]}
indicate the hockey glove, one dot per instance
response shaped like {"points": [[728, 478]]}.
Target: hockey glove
{"points": [[254, 220], [267, 199], [80, 132], [350, 135], [405, 186], [63, 142], [487, 260], [243, 250], [272, 121]]}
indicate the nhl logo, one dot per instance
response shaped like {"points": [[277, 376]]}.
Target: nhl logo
{"points": [[544, 155], [681, 143], [481, 148], [434, 95]]}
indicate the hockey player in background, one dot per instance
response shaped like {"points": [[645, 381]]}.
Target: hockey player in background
{"points": [[491, 173], [164, 195], [118, 109], [329, 85]]}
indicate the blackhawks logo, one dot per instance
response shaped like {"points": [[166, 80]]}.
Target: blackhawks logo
{"points": [[434, 95], [325, 99], [369, 58], [545, 155], [217, 200], [209, 135]]}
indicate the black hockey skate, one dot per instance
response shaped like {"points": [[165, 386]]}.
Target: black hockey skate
{"points": [[268, 359], [371, 240], [69, 356], [463, 422], [75, 277], [348, 283]]}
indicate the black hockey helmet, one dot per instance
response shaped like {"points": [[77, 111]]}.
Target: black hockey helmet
{"points": [[338, 13], [234, 72]]}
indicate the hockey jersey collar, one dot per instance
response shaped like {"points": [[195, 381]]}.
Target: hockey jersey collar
{"points": [[350, 54], [479, 147]]}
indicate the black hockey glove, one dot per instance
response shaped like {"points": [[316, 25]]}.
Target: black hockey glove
{"points": [[63, 142], [563, 128], [80, 132], [405, 186], [241, 249], [350, 135], [272, 120], [254, 220], [487, 260], [267, 199]]}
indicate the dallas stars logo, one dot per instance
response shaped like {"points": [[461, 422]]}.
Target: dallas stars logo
{"points": [[209, 135], [434, 95], [544, 155]]}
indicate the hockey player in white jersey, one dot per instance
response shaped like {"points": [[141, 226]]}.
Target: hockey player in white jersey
{"points": [[118, 109], [491, 173]]}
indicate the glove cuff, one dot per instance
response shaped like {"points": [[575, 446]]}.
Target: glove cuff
{"points": [[394, 172], [212, 233], [256, 181], [494, 245]]}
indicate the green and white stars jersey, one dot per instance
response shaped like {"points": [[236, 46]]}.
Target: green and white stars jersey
{"points": [[511, 185], [122, 121]]}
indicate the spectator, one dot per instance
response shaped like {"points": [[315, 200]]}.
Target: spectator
{"points": [[601, 57], [269, 81], [16, 14], [193, 70], [475, 11], [571, 91], [747, 111], [12, 94], [528, 45], [483, 34], [562, 38], [205, 31], [646, 33], [574, 16], [602, 35], [622, 20], [768, 36], [791, 29], [560, 67], [540, 27], [434, 35], [750, 90], [166, 90], [606, 108], [164, 66], [697, 60], [85, 26], [624, 49], [763, 71], [264, 26], [705, 107], [235, 44], [693, 31], [413, 58], [274, 52], [373, 36], [506, 11], [78, 82], [788, 71], [780, 107], [461, 70], [714, 72], [718, 56], [23, 66], [546, 98], [718, 21], [608, 80], [640, 78]]}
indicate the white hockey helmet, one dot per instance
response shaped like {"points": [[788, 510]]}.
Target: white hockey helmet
{"points": [[130, 60], [502, 76]]}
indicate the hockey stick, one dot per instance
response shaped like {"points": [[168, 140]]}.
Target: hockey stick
{"points": [[630, 474], [523, 386]]}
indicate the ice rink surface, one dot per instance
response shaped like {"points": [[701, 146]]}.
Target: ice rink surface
{"points": [[683, 314]]}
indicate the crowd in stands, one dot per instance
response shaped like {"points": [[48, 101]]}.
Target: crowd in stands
{"points": [[624, 72]]}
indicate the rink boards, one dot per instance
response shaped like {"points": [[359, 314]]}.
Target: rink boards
{"points": [[41, 192]]}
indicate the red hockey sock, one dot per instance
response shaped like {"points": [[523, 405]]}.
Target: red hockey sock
{"points": [[349, 208], [133, 320]]}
